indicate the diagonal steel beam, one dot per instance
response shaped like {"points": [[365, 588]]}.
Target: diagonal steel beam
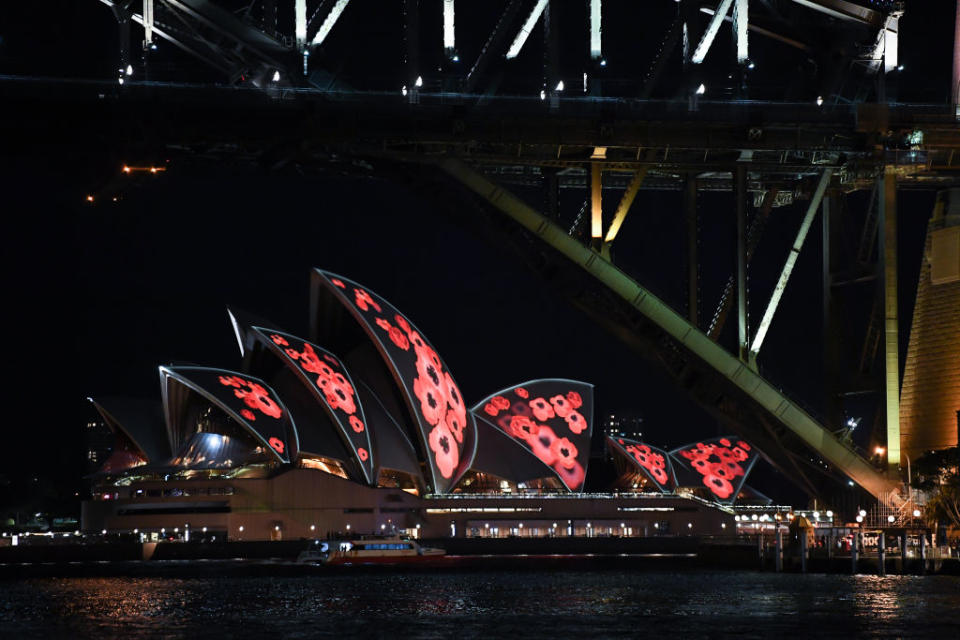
{"points": [[328, 22], [791, 261], [624, 207], [526, 28], [751, 384], [711, 33]]}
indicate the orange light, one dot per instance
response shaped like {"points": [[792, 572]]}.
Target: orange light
{"points": [[879, 451], [126, 169], [89, 198], [153, 169]]}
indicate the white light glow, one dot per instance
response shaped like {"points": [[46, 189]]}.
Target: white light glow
{"points": [[596, 44], [419, 82], [129, 69], [449, 40], [328, 22], [702, 89], [276, 76], [560, 86]]}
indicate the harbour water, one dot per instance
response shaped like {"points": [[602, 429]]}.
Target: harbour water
{"points": [[529, 604]]}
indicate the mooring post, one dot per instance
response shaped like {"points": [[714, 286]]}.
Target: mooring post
{"points": [[923, 553], [803, 551], [854, 550], [778, 546], [881, 555], [903, 552]]}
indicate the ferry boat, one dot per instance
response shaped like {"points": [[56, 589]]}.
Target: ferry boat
{"points": [[372, 550]]}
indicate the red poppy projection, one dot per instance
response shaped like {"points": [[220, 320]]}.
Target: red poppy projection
{"points": [[447, 432], [654, 463], [249, 400], [330, 383], [550, 418], [722, 463]]}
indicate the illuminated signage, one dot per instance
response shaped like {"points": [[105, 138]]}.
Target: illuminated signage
{"points": [[330, 383], [447, 431], [551, 418]]}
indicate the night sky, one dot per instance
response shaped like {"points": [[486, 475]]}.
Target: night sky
{"points": [[98, 296]]}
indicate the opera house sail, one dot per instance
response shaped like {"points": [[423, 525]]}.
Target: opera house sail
{"points": [[362, 427]]}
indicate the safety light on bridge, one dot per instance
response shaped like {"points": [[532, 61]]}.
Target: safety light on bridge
{"points": [[419, 82], [129, 70], [89, 198], [899, 67], [891, 519], [276, 76], [916, 513], [603, 63], [702, 89], [404, 90], [819, 101], [751, 65], [862, 513], [543, 94], [879, 451], [859, 518], [560, 86], [126, 169]]}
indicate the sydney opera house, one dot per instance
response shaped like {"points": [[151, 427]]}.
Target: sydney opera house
{"points": [[363, 428]]}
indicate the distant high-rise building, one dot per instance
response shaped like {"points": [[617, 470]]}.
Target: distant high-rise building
{"points": [[623, 424]]}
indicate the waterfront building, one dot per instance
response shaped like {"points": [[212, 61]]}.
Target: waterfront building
{"points": [[362, 428]]}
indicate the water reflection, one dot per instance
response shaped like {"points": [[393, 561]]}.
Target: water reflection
{"points": [[538, 604]]}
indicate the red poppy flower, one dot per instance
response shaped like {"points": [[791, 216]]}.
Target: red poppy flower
{"points": [[572, 477], [446, 454], [259, 398], [719, 486], [659, 474], [277, 444], [433, 405], [357, 424], [362, 454], [574, 399], [541, 445], [455, 424], [454, 399], [329, 358], [723, 471], [523, 428], [402, 323], [399, 338], [416, 340], [523, 393], [338, 283], [338, 392], [576, 422], [293, 353], [430, 375], [246, 413], [724, 442], [383, 324], [743, 445], [280, 340], [561, 406], [232, 381], [309, 360], [565, 452], [364, 300], [521, 408], [491, 410], [702, 466], [500, 403], [542, 410], [620, 440], [739, 454], [734, 468], [322, 369], [426, 352]]}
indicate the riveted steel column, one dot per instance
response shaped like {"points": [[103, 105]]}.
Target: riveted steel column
{"points": [[743, 327], [596, 201], [888, 253], [693, 259]]}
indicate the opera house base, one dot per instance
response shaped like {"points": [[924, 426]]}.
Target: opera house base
{"points": [[303, 504]]}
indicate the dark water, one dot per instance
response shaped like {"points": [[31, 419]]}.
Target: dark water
{"points": [[556, 605]]}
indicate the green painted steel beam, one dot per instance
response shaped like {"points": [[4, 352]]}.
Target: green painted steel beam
{"points": [[696, 342]]}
